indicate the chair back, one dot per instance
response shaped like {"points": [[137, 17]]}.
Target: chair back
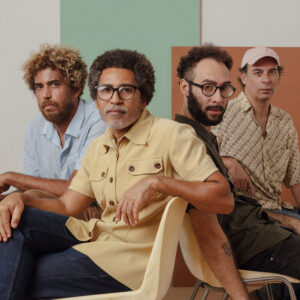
{"points": [[158, 274], [161, 263], [193, 256]]}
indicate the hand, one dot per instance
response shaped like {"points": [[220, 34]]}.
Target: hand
{"points": [[3, 185], [238, 175], [11, 209], [134, 199]]}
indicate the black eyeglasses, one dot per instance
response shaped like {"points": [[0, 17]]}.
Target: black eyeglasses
{"points": [[209, 89], [125, 91]]}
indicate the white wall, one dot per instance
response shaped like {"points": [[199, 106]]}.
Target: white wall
{"points": [[24, 25], [275, 23]]}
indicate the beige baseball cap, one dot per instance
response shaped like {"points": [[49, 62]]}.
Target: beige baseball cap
{"points": [[252, 55]]}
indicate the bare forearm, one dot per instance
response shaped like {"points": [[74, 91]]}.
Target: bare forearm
{"points": [[212, 196], [217, 252], [296, 193], [25, 182], [70, 204], [54, 204]]}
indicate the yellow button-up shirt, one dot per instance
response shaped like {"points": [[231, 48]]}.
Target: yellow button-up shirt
{"points": [[152, 146], [268, 161]]}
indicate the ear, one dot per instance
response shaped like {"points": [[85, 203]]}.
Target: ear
{"points": [[184, 87], [77, 93], [144, 103], [243, 77]]}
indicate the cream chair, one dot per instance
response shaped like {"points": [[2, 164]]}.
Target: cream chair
{"points": [[206, 278], [160, 267]]}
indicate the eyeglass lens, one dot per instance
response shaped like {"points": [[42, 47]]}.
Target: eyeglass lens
{"points": [[125, 92]]}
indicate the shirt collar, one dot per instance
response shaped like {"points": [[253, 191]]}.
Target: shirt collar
{"points": [[246, 106], [138, 133], [74, 126], [244, 102], [77, 121], [200, 130]]}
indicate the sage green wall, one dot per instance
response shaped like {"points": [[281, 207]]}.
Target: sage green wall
{"points": [[149, 26]]}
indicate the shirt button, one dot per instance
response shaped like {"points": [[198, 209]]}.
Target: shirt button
{"points": [[131, 168], [111, 179], [114, 219], [157, 165], [111, 203], [102, 174]]}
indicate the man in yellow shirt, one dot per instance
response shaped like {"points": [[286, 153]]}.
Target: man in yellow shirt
{"points": [[132, 171]]}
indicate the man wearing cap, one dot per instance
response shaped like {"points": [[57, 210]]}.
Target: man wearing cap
{"points": [[258, 141]]}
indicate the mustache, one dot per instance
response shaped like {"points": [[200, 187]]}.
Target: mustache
{"points": [[48, 102], [115, 108], [218, 107]]}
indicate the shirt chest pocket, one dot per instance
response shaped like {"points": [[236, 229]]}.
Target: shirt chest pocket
{"points": [[148, 166], [98, 179]]}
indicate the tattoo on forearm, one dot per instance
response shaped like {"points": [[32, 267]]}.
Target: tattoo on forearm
{"points": [[227, 249]]}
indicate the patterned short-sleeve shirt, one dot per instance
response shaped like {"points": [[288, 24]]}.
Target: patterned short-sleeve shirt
{"points": [[269, 161]]}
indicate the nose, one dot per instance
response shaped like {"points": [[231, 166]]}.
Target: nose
{"points": [[47, 92], [266, 77], [115, 99], [217, 97]]}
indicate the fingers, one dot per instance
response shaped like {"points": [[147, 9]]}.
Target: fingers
{"points": [[16, 216], [136, 210], [5, 230], [127, 211]]}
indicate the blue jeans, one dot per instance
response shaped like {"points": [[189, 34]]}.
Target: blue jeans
{"points": [[39, 262]]}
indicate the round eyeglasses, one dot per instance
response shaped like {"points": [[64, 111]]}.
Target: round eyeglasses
{"points": [[209, 89], [125, 91]]}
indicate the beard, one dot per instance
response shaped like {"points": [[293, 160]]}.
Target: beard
{"points": [[63, 114], [200, 115], [130, 119]]}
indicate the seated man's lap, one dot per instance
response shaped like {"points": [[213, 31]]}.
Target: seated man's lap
{"points": [[45, 232], [70, 273], [283, 258]]}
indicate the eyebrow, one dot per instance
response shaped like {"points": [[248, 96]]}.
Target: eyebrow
{"points": [[261, 69], [112, 85], [214, 82], [48, 82], [53, 81]]}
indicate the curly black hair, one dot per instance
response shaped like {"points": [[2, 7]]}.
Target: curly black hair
{"points": [[124, 59], [196, 54]]}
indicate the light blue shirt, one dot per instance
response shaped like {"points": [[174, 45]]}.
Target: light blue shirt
{"points": [[44, 156]]}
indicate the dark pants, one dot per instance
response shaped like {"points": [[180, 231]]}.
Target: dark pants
{"points": [[283, 258], [39, 262]]}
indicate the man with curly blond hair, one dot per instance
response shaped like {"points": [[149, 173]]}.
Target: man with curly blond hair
{"points": [[57, 139]]}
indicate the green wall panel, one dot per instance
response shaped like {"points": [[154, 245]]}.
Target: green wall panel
{"points": [[151, 27]]}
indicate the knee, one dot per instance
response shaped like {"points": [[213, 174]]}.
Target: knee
{"points": [[30, 218]]}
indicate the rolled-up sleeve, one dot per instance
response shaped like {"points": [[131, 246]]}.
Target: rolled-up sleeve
{"points": [[188, 155]]}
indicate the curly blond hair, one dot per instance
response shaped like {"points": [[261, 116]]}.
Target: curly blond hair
{"points": [[64, 59]]}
